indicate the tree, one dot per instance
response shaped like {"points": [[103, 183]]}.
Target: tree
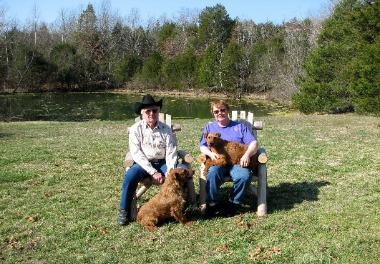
{"points": [[231, 64], [179, 71], [88, 46], [150, 72], [64, 58], [127, 67], [266, 61], [343, 70], [215, 27], [209, 67], [19, 59]]}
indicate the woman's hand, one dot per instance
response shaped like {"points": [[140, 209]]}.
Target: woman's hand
{"points": [[213, 155], [244, 161], [158, 178]]}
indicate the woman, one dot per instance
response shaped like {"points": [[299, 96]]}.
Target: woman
{"points": [[240, 174]]}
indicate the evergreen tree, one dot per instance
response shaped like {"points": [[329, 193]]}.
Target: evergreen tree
{"points": [[209, 68], [215, 26], [64, 58], [178, 72], [231, 64], [126, 68], [88, 46], [344, 69], [151, 70]]}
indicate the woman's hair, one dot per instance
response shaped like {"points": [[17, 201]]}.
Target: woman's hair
{"points": [[219, 104]]}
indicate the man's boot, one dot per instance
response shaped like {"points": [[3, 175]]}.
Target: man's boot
{"points": [[123, 217]]}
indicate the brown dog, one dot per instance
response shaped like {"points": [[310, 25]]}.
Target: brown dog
{"points": [[167, 203], [208, 162], [229, 152]]}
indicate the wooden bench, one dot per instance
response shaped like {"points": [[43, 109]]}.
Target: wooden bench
{"points": [[260, 176], [145, 184]]}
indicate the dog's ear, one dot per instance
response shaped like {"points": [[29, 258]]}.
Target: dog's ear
{"points": [[205, 135], [178, 171], [218, 134]]}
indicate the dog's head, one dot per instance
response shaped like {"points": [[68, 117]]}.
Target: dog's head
{"points": [[180, 175], [212, 138]]}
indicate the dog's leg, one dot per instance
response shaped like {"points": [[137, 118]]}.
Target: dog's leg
{"points": [[179, 216], [152, 228], [150, 223], [206, 167]]}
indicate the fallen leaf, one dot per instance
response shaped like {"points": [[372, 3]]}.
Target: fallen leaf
{"points": [[223, 248], [103, 230], [31, 219]]}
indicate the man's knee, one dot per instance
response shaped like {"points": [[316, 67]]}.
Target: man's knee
{"points": [[134, 174], [182, 165]]}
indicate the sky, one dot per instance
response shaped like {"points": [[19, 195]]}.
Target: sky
{"points": [[260, 11]]}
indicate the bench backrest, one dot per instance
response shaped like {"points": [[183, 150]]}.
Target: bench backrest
{"points": [[248, 120], [167, 119]]}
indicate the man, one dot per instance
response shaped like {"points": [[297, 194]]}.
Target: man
{"points": [[240, 174], [152, 145]]}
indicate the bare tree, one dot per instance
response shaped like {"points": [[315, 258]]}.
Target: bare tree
{"points": [[35, 18], [65, 25]]}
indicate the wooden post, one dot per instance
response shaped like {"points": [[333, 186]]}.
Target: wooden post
{"points": [[262, 191], [161, 117], [168, 120], [202, 190], [242, 115], [234, 115], [250, 117], [258, 125]]}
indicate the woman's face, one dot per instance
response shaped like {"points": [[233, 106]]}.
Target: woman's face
{"points": [[220, 114]]}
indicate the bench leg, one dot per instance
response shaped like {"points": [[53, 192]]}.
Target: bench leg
{"points": [[141, 191], [202, 190], [133, 210], [262, 191], [145, 186]]}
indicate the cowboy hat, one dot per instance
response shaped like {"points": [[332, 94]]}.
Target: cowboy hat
{"points": [[146, 102]]}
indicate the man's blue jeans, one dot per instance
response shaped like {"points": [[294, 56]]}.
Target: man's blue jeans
{"points": [[241, 178], [132, 177]]}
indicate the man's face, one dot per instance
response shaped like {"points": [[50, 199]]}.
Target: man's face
{"points": [[151, 114]]}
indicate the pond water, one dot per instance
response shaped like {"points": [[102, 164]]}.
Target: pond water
{"points": [[108, 106]]}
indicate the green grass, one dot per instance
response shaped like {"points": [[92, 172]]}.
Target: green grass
{"points": [[60, 186]]}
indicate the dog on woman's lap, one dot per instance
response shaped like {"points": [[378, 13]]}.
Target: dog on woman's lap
{"points": [[168, 203], [229, 152]]}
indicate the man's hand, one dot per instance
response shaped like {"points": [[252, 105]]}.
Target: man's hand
{"points": [[158, 178]]}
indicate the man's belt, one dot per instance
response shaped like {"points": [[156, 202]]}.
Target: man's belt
{"points": [[156, 160]]}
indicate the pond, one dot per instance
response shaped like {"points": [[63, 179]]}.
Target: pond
{"points": [[109, 106]]}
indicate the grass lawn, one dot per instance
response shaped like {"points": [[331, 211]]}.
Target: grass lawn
{"points": [[60, 185]]}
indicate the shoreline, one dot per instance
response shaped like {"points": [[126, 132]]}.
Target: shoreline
{"points": [[187, 93], [195, 93]]}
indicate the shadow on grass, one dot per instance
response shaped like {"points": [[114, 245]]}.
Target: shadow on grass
{"points": [[286, 195], [281, 197]]}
